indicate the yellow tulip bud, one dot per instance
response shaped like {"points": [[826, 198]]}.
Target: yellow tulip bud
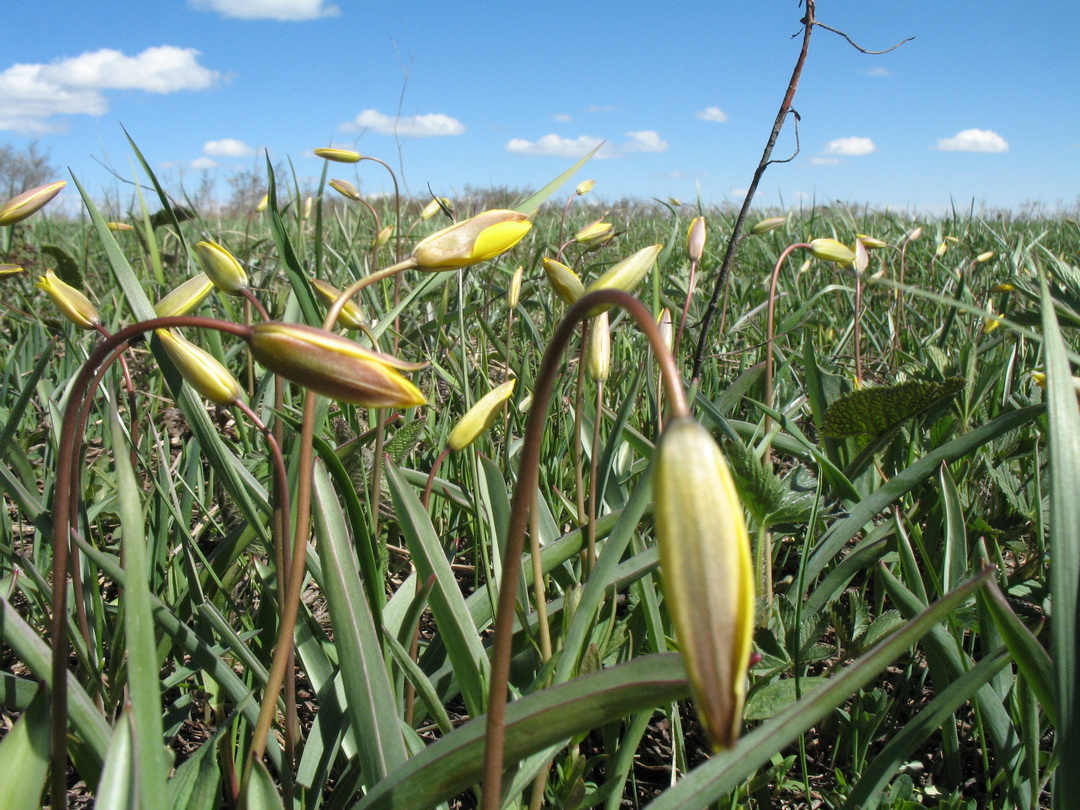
{"points": [[1002, 288], [913, 234], [383, 236], [667, 329], [334, 366], [221, 267], [708, 581], [513, 293], [29, 202], [434, 207], [990, 324], [473, 240], [118, 226], [350, 317], [263, 203], [695, 239], [862, 256], [565, 281], [584, 187], [186, 297], [74, 306], [984, 257], [941, 249], [200, 369], [625, 275], [9, 270], [767, 224], [595, 234], [803, 267], [345, 189], [598, 356], [479, 417], [832, 251], [338, 155], [871, 242]]}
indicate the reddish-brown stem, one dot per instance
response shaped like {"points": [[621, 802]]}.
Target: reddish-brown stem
{"points": [[770, 328], [686, 307]]}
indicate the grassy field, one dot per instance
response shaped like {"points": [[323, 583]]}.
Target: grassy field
{"points": [[900, 423]]}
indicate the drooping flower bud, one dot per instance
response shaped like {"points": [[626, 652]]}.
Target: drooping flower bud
{"points": [[338, 155], [862, 257], [708, 580], [595, 234], [74, 306], [480, 416], [984, 257], [334, 366], [871, 242], [513, 292], [435, 206], [913, 234], [383, 236], [345, 189], [625, 275], [9, 270], [221, 267], [350, 317], [200, 369], [667, 330], [584, 187], [832, 251], [263, 203], [29, 202], [766, 225], [118, 226], [473, 240], [565, 281], [695, 239], [940, 251], [598, 356], [186, 297]]}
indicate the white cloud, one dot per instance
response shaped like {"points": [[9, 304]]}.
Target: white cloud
{"points": [[31, 94], [973, 140], [878, 71], [289, 10], [853, 147], [203, 163], [712, 114], [601, 108], [738, 192], [647, 140], [563, 118], [825, 161], [227, 147], [428, 125]]}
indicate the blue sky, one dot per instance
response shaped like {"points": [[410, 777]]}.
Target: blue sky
{"points": [[980, 107]]}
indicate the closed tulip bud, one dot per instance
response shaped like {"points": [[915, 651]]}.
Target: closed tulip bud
{"points": [[941, 249], [695, 239], [350, 316], [480, 416], [862, 257], [338, 155], [1040, 380], [308, 202], [334, 366], [9, 270], [383, 236], [74, 306], [263, 203], [118, 226], [222, 267], [595, 234], [473, 240], [183, 299], [200, 369], [667, 330], [565, 281], [513, 292], [675, 202], [584, 187], [708, 581], [984, 257], [871, 242], [803, 267], [767, 224], [913, 234], [625, 275], [598, 355], [434, 207], [29, 202], [990, 324], [345, 189], [832, 251], [1002, 288]]}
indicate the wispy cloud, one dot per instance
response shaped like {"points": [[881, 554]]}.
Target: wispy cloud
{"points": [[204, 164], [563, 118], [227, 147], [428, 125], [646, 140], [32, 94], [878, 71], [973, 140], [712, 114], [825, 161], [286, 10], [600, 108], [850, 147]]}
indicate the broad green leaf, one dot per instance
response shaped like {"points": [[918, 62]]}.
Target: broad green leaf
{"points": [[119, 785], [261, 792], [24, 756], [773, 698]]}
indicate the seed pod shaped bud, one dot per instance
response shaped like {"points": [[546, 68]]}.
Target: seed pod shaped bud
{"points": [[695, 239], [308, 202], [435, 206], [565, 281], [118, 226], [832, 251], [598, 355], [29, 202], [941, 249], [9, 270], [1002, 288], [479, 417], [383, 236], [667, 330], [473, 240], [184, 299], [595, 234], [334, 366], [351, 317], [200, 369], [513, 292], [871, 242], [766, 225], [263, 203], [345, 189], [707, 577], [338, 155], [584, 187], [984, 257], [913, 234], [625, 275], [221, 267], [74, 306], [862, 256]]}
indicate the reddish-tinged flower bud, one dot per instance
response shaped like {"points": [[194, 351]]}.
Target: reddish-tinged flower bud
{"points": [[473, 240], [75, 306], [350, 316], [29, 202], [695, 239], [200, 369], [345, 189]]}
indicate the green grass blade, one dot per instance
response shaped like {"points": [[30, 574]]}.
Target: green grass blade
{"points": [[530, 205], [24, 755], [119, 785]]}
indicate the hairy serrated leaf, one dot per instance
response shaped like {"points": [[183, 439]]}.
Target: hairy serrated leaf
{"points": [[872, 411]]}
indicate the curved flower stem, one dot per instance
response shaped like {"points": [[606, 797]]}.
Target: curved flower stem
{"points": [[528, 478], [575, 441], [594, 463], [686, 306], [770, 330], [65, 511]]}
